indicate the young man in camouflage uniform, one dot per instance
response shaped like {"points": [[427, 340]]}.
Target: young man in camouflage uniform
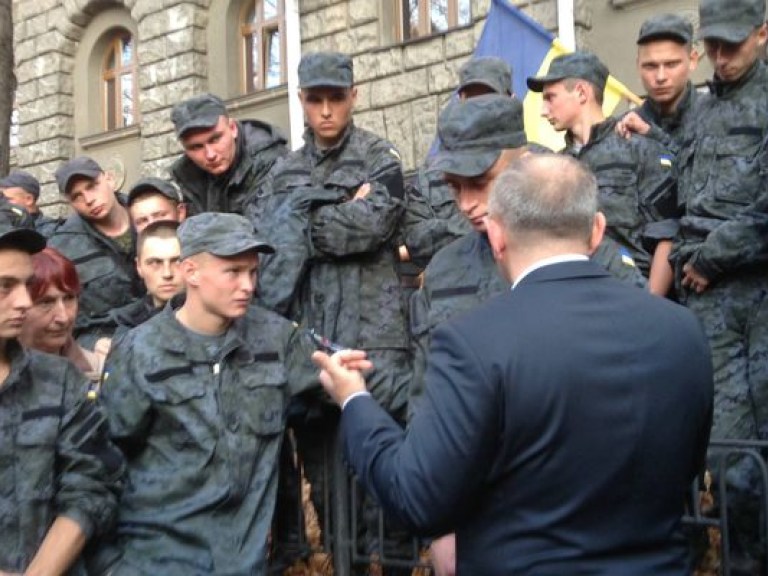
{"points": [[100, 241], [23, 189], [721, 254], [431, 219], [60, 475], [332, 209], [224, 160], [196, 398], [665, 60], [634, 176], [158, 254], [152, 199]]}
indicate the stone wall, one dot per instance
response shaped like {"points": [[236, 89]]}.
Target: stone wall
{"points": [[403, 86]]}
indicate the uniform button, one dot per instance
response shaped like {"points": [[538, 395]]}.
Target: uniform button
{"points": [[233, 423]]}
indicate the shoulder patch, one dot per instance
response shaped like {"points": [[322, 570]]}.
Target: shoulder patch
{"points": [[665, 160], [626, 258], [395, 153]]}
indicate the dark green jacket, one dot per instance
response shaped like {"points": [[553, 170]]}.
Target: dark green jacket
{"points": [[259, 145], [202, 439], [636, 188], [55, 457], [723, 179], [107, 275]]}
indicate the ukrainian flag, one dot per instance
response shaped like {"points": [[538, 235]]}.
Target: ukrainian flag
{"points": [[528, 48]]}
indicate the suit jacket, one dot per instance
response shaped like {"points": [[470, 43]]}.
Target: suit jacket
{"points": [[563, 423]]}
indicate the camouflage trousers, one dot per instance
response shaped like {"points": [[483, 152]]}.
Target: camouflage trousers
{"points": [[734, 314]]}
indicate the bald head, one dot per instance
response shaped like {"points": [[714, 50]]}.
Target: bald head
{"points": [[545, 197]]}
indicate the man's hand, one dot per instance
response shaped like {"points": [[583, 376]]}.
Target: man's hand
{"points": [[693, 280], [630, 124], [341, 374], [442, 553], [362, 192]]}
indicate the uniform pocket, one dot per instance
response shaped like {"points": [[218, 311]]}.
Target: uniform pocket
{"points": [[37, 440], [737, 167], [264, 398], [617, 185]]}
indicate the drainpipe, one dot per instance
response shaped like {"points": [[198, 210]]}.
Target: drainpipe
{"points": [[566, 30], [292, 57]]}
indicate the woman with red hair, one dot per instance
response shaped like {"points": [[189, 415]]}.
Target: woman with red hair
{"points": [[54, 290]]}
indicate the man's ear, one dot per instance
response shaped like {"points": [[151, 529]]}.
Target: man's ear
{"points": [[497, 236], [181, 211], [190, 272], [598, 230]]}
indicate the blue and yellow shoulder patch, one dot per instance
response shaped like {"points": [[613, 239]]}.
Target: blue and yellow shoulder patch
{"points": [[665, 160], [626, 258]]}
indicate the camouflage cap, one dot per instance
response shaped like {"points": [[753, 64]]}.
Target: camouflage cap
{"points": [[666, 27], [583, 65], [21, 179], [14, 236], [488, 71], [221, 234], [474, 132], [82, 166], [730, 20], [153, 185], [325, 69], [201, 111]]}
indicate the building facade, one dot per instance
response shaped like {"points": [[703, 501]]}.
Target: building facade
{"points": [[99, 77]]}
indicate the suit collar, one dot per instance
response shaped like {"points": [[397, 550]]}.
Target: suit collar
{"points": [[564, 271]]}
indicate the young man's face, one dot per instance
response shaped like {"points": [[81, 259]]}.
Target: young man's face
{"points": [[664, 67], [15, 273], [149, 208], [471, 193], [732, 61], [93, 198], [559, 105], [20, 197], [223, 286], [328, 111], [158, 267], [212, 149]]}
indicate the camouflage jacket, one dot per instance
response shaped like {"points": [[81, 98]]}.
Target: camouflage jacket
{"points": [[341, 280], [45, 225], [431, 218], [723, 179], [131, 315], [668, 130], [107, 275], [259, 145], [636, 188], [463, 275], [55, 457], [202, 440]]}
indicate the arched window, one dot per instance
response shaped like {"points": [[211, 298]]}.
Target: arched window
{"points": [[119, 79], [263, 31]]}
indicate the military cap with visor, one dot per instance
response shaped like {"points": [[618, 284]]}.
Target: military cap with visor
{"points": [[489, 71], [198, 113], [730, 20], [80, 167], [666, 27], [325, 69], [24, 239], [23, 180], [474, 132], [582, 65], [221, 234], [154, 185]]}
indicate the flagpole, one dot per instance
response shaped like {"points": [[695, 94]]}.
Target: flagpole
{"points": [[566, 30]]}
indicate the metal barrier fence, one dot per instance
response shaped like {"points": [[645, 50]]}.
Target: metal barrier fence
{"points": [[358, 540]]}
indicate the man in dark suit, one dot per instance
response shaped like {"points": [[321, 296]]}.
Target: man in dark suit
{"points": [[563, 421]]}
